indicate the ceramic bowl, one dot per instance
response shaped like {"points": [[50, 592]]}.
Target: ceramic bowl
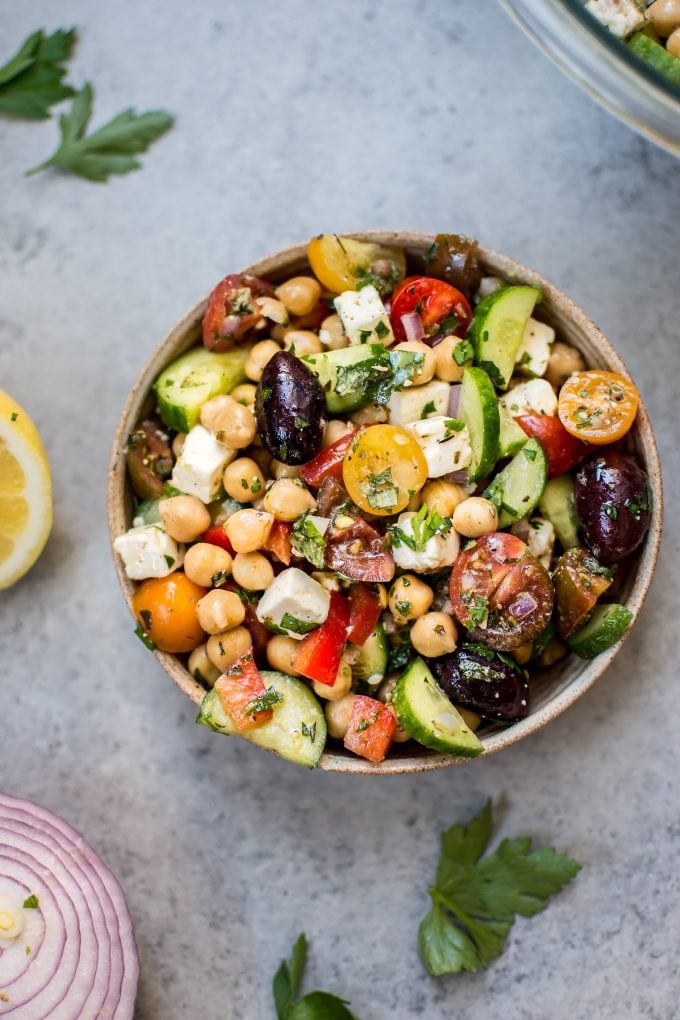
{"points": [[553, 689]]}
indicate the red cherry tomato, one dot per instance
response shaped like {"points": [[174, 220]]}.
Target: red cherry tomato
{"points": [[562, 450], [364, 613], [434, 301], [238, 689], [319, 654], [500, 592], [232, 311], [216, 535], [278, 541], [328, 463], [371, 728]]}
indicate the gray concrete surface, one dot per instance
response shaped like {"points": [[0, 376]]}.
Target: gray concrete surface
{"points": [[293, 119]]}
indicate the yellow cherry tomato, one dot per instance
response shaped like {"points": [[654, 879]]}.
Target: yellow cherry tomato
{"points": [[340, 262], [166, 610], [597, 406], [383, 468]]}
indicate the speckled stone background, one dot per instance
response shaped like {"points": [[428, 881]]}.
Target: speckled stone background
{"points": [[292, 119]]}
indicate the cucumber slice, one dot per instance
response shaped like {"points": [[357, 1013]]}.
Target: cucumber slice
{"points": [[604, 628], [479, 410], [512, 436], [557, 506], [296, 731], [498, 326], [355, 376], [518, 487], [184, 386], [371, 664], [427, 714], [657, 55]]}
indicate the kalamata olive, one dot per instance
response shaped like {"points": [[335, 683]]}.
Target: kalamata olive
{"points": [[485, 681], [358, 551], [290, 409], [579, 581], [500, 592], [232, 311], [613, 504], [149, 459], [453, 258]]}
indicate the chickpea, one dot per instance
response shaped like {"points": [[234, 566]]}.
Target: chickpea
{"points": [[332, 335], [273, 309], [224, 649], [244, 394], [262, 458], [184, 517], [434, 634], [335, 429], [521, 654], [381, 592], [261, 354], [287, 500], [673, 43], [445, 365], [338, 715], [299, 294], [664, 16], [248, 530], [219, 611], [178, 444], [564, 359], [555, 651], [415, 502], [471, 719], [475, 516], [204, 562], [327, 579], [443, 497], [243, 480], [233, 424], [341, 687], [302, 341], [281, 652], [201, 668], [252, 571], [373, 414], [426, 370], [386, 689], [280, 470], [400, 734], [409, 598]]}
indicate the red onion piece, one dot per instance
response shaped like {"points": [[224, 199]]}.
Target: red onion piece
{"points": [[523, 606], [413, 327], [454, 400], [522, 529], [457, 477], [83, 958]]}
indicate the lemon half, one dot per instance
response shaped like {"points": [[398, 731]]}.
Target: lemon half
{"points": [[25, 492]]}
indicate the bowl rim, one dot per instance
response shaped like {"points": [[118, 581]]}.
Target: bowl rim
{"points": [[416, 242]]}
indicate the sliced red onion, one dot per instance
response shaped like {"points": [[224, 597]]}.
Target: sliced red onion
{"points": [[454, 400], [413, 327], [230, 325], [522, 529], [457, 477], [523, 606], [76, 956]]}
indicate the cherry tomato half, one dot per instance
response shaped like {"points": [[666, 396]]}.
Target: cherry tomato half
{"points": [[232, 311], [434, 301], [500, 592], [383, 468], [166, 610], [597, 406], [561, 449], [341, 263]]}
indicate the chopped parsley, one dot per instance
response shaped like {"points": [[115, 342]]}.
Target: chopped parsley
{"points": [[479, 612], [306, 539], [169, 560], [638, 505], [450, 324], [451, 426], [423, 526], [462, 352], [382, 492], [256, 485], [31, 902], [263, 702], [403, 607], [610, 510], [14, 415], [365, 335], [301, 423], [429, 408], [144, 638], [291, 623], [400, 654], [266, 393], [529, 453], [381, 330], [309, 731], [219, 578]]}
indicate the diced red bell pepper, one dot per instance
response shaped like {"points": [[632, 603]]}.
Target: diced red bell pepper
{"points": [[371, 728], [216, 535], [238, 689], [562, 450], [321, 651], [328, 463], [364, 613], [278, 542]]}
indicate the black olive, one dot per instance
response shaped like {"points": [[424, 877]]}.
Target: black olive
{"points": [[484, 681], [290, 409], [613, 504]]}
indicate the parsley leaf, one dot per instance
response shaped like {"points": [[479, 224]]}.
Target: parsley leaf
{"points": [[462, 352], [306, 539], [263, 702], [108, 150], [429, 408], [31, 81], [31, 902], [422, 527], [382, 492], [475, 898], [315, 1005], [144, 638]]}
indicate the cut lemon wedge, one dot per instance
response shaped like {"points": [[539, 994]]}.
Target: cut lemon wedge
{"points": [[25, 492]]}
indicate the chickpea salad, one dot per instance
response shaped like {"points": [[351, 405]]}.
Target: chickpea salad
{"points": [[377, 499], [650, 28]]}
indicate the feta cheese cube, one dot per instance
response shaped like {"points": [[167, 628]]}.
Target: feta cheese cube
{"points": [[148, 551], [540, 540], [489, 285], [416, 403], [622, 17], [536, 396], [438, 552], [363, 316], [445, 444], [293, 604], [199, 468], [534, 350]]}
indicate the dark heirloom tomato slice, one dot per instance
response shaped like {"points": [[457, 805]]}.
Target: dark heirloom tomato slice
{"points": [[231, 311], [434, 302], [149, 459], [562, 450], [500, 592], [358, 552], [364, 613], [579, 582]]}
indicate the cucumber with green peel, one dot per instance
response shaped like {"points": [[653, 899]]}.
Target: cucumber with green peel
{"points": [[296, 731], [427, 714], [517, 489], [497, 329], [478, 408], [371, 662], [605, 627], [655, 54], [360, 374], [198, 375], [557, 506], [512, 436]]}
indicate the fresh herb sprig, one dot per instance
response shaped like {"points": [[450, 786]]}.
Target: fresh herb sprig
{"points": [[475, 899], [314, 1005], [32, 81], [424, 525]]}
